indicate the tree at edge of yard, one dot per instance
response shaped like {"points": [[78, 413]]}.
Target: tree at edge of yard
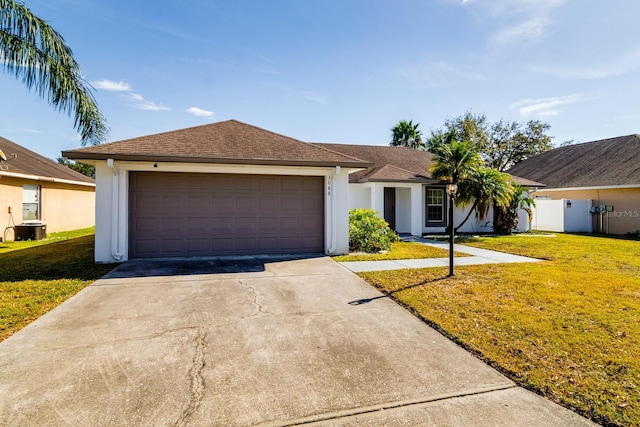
{"points": [[33, 51], [406, 134]]}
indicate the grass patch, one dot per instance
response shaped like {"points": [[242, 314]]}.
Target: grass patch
{"points": [[34, 279], [51, 237], [400, 250], [567, 328]]}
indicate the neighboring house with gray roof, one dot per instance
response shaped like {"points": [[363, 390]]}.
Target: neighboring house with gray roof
{"points": [[34, 190], [607, 172], [399, 186]]}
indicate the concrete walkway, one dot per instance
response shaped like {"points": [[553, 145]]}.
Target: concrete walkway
{"points": [[478, 256]]}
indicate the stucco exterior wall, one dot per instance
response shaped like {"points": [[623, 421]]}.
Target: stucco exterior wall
{"points": [[112, 198], [411, 209], [63, 206], [625, 216], [359, 196], [67, 207]]}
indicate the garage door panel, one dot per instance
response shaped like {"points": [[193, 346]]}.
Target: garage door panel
{"points": [[311, 204], [172, 247], [269, 184], [307, 243], [198, 224], [198, 246], [268, 244], [291, 184], [148, 224], [173, 225], [245, 203], [145, 202], [222, 224], [246, 244], [290, 223], [268, 203], [199, 182], [290, 242], [245, 182], [173, 203], [222, 202], [199, 204], [221, 245], [290, 203], [246, 225], [180, 214], [313, 185], [178, 182]]}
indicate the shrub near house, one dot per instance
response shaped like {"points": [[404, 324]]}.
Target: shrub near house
{"points": [[368, 232]]}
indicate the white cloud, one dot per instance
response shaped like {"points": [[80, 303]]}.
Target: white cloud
{"points": [[531, 30], [516, 21], [111, 86], [20, 130], [200, 112], [315, 97], [151, 106], [546, 107], [135, 97], [138, 100], [439, 73], [140, 103]]}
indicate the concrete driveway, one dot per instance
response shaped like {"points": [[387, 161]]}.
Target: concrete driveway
{"points": [[283, 343]]}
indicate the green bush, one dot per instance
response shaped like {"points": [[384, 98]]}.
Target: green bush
{"points": [[368, 232]]}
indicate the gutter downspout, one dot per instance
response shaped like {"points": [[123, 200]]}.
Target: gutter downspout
{"points": [[334, 231], [115, 211]]}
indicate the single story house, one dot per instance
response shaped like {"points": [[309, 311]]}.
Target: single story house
{"points": [[35, 190], [604, 172], [229, 188], [225, 188]]}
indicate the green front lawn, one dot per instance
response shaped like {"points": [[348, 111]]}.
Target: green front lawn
{"points": [[36, 276], [400, 250], [567, 328]]}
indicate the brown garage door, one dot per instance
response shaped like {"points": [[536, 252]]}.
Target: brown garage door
{"points": [[196, 214]]}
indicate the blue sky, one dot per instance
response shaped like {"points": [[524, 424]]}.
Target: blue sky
{"points": [[340, 71]]}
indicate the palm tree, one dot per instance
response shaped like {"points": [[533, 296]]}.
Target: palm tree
{"points": [[505, 218], [484, 188], [33, 51], [454, 161], [407, 134]]}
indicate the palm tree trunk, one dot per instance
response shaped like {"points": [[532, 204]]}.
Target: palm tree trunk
{"points": [[473, 207]]}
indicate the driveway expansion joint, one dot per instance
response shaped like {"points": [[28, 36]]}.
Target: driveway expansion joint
{"points": [[350, 413]]}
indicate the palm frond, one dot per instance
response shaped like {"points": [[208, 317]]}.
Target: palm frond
{"points": [[34, 52]]}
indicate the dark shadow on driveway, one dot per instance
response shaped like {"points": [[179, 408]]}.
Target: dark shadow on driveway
{"points": [[193, 266], [387, 294]]}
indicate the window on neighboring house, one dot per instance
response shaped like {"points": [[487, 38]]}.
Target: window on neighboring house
{"points": [[30, 202], [435, 205]]}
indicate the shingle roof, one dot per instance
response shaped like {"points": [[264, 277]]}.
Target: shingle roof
{"points": [[399, 164], [223, 142], [23, 161], [608, 162]]}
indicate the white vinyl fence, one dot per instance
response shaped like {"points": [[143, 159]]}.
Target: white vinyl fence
{"points": [[570, 216]]}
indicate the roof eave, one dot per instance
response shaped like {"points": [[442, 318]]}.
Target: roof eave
{"points": [[46, 179], [75, 155], [403, 181]]}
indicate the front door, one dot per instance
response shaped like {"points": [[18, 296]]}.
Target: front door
{"points": [[390, 206]]}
